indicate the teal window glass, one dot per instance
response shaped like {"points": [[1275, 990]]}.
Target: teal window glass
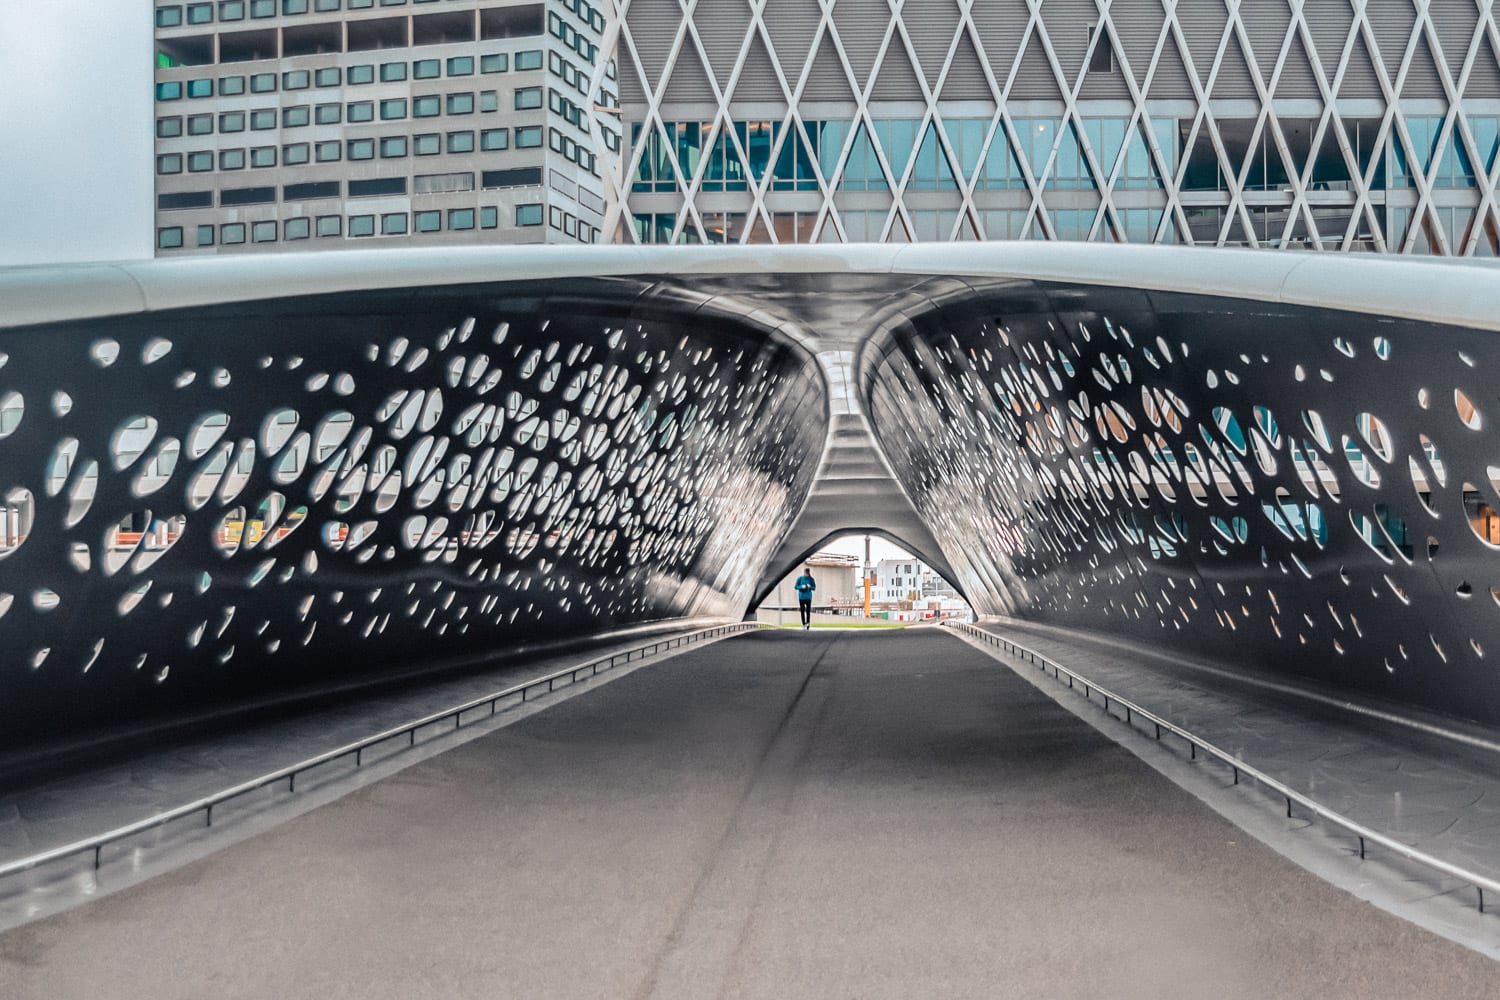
{"points": [[231, 159], [232, 233], [393, 109], [528, 215], [328, 76], [231, 86], [232, 10], [489, 217], [427, 106], [296, 116], [461, 66], [361, 111], [393, 147], [461, 104], [495, 62], [392, 72], [429, 222], [529, 137], [361, 149], [461, 218], [489, 100], [329, 114], [200, 161], [294, 6], [169, 238], [206, 236], [393, 224], [427, 144], [427, 69], [263, 232], [356, 75], [263, 83], [200, 88], [200, 13], [530, 59], [328, 151], [297, 79], [330, 225], [169, 163], [169, 17], [170, 91], [492, 139], [294, 154], [200, 124], [460, 142], [169, 128], [232, 121], [527, 99], [361, 225], [297, 229], [262, 119], [263, 156]]}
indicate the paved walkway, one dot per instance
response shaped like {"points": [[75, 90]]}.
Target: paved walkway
{"points": [[780, 815]]}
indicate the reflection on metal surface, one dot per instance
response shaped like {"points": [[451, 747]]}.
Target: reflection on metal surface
{"points": [[1287, 487], [236, 501]]}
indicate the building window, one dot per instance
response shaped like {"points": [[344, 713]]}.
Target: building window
{"points": [[169, 128], [297, 229], [530, 59], [263, 83], [360, 74], [294, 6], [528, 215], [232, 10], [393, 224], [528, 98], [495, 62], [328, 151], [427, 69], [529, 137], [489, 217], [231, 86], [361, 225], [232, 233], [297, 79], [321, 6], [393, 109], [169, 91], [330, 225], [328, 76], [231, 159], [232, 121], [200, 88], [200, 125], [169, 17], [461, 218], [262, 8], [492, 139], [295, 117], [393, 147], [329, 114], [171, 163], [429, 221], [262, 119], [295, 154], [169, 238], [361, 149], [263, 156], [461, 66], [362, 111], [205, 236], [427, 144], [489, 100], [200, 13], [392, 72], [460, 142], [429, 106], [461, 104], [263, 232], [200, 161]]}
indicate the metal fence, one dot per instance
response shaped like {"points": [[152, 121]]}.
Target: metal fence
{"points": [[1239, 768]]}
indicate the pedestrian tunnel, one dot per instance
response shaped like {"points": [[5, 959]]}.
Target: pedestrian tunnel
{"points": [[227, 480]]}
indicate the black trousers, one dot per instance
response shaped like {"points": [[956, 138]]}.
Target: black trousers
{"points": [[804, 608]]}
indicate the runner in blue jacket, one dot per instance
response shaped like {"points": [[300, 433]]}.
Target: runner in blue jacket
{"points": [[805, 586]]}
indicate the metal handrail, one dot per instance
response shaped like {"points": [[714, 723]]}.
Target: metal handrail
{"points": [[205, 805], [1363, 833]]}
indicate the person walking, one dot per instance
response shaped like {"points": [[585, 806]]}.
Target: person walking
{"points": [[805, 586]]}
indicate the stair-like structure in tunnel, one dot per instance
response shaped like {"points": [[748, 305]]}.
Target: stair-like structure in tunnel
{"points": [[854, 491]]}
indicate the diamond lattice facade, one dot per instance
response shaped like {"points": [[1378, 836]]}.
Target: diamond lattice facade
{"points": [[1327, 124]]}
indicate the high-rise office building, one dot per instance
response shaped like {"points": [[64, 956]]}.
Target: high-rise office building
{"points": [[315, 124], [1327, 124]]}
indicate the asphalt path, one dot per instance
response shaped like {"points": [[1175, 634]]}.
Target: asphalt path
{"points": [[782, 815]]}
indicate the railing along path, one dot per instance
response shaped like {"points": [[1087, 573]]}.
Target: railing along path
{"points": [[97, 843], [1364, 834]]}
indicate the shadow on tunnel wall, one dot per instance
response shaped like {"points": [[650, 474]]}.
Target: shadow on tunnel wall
{"points": [[204, 506], [1284, 488]]}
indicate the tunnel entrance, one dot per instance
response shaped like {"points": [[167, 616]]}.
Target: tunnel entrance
{"points": [[903, 589]]}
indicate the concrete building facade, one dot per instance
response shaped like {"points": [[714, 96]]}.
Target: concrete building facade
{"points": [[1353, 125], [314, 124]]}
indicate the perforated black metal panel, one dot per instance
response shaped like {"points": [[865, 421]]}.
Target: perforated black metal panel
{"points": [[1283, 487], [207, 503]]}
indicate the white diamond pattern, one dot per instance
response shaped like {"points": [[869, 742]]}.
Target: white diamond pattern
{"points": [[897, 56]]}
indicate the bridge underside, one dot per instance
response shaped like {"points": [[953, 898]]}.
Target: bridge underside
{"points": [[222, 480]]}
